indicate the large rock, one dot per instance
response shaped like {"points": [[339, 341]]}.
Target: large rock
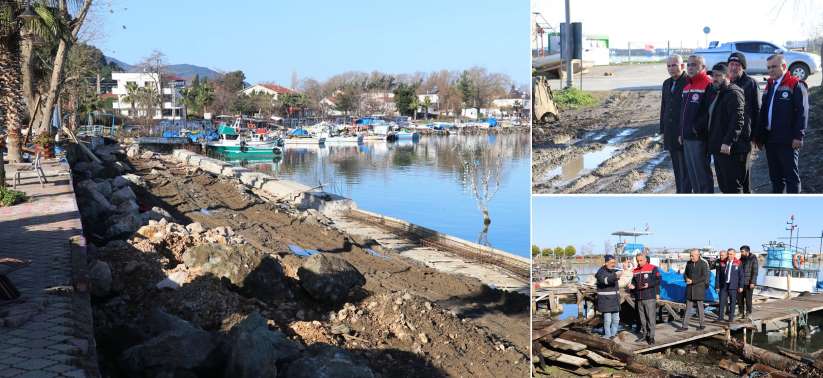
{"points": [[329, 278], [157, 214], [100, 277], [132, 151], [88, 169], [267, 281], [128, 207], [213, 166], [182, 347], [126, 180], [234, 262], [255, 350], [326, 361], [122, 195], [124, 224], [254, 179]]}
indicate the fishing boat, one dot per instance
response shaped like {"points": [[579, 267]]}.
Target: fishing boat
{"points": [[344, 139], [234, 145], [406, 135], [789, 269], [300, 136]]}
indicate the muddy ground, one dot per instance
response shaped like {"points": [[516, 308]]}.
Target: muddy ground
{"points": [[408, 320], [613, 147]]}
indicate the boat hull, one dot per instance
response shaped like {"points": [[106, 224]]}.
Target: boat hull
{"points": [[304, 141]]}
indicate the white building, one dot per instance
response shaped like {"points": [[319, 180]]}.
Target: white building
{"points": [[171, 104], [434, 100], [269, 89]]}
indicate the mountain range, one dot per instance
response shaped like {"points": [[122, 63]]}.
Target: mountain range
{"points": [[185, 71]]}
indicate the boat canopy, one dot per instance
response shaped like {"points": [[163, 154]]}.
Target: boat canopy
{"points": [[226, 130], [633, 249], [299, 132]]}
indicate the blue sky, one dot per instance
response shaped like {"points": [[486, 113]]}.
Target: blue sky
{"points": [[270, 39], [676, 222]]}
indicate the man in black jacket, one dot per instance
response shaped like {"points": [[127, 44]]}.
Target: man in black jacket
{"points": [[697, 280], [751, 93], [729, 144], [670, 105], [750, 268], [608, 296]]}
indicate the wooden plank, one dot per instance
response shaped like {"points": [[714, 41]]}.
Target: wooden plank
{"points": [[665, 336], [600, 360], [569, 346], [554, 327], [563, 358]]}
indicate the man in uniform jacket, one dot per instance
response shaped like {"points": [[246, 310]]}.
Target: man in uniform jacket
{"points": [[608, 296], [694, 115], [729, 143], [697, 280], [670, 105], [738, 76], [728, 285], [644, 287], [749, 279], [782, 125]]}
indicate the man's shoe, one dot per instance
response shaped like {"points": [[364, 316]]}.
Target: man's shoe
{"points": [[650, 341], [682, 329], [700, 328], [640, 338]]}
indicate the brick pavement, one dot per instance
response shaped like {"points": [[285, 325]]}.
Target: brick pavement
{"points": [[48, 334]]}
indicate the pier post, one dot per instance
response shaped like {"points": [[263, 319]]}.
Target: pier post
{"points": [[579, 298]]}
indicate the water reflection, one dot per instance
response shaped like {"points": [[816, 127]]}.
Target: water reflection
{"points": [[455, 184]]}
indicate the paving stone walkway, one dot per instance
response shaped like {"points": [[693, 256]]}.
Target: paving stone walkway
{"points": [[50, 332]]}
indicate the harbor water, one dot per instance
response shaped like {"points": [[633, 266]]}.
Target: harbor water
{"points": [[439, 182]]}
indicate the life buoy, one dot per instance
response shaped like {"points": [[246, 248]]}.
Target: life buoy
{"points": [[798, 261]]}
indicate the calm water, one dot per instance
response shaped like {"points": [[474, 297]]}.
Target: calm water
{"points": [[430, 182]]}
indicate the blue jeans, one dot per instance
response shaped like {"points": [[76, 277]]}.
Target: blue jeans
{"points": [[611, 320]]}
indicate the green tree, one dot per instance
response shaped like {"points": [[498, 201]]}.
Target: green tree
{"points": [[559, 251], [569, 251], [535, 250], [467, 89], [132, 96], [405, 98], [346, 102], [148, 98], [427, 103], [547, 252], [198, 95]]}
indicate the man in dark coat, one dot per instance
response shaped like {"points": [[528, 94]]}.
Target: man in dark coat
{"points": [[644, 286], [608, 296], [697, 280], [729, 285], [729, 143], [670, 104], [783, 120], [749, 279], [738, 76]]}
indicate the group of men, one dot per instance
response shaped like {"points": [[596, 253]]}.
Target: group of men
{"points": [[644, 286], [734, 281], [721, 117]]}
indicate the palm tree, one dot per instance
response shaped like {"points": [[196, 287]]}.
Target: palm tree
{"points": [[131, 96], [148, 97], [427, 103], [414, 104], [12, 108]]}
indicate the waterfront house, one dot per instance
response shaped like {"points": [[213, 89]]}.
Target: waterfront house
{"points": [[168, 86]]}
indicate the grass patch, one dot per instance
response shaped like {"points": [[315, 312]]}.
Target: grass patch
{"points": [[9, 197], [572, 98]]}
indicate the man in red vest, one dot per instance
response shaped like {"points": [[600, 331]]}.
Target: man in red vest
{"points": [[644, 287]]}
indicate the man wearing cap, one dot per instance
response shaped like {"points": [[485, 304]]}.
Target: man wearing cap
{"points": [[670, 106], [751, 93], [608, 296], [728, 143], [782, 125], [644, 286], [697, 281], [693, 123]]}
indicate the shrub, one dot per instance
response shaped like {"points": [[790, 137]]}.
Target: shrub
{"points": [[9, 197]]}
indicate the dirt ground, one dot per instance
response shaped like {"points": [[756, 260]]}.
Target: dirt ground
{"points": [[409, 320], [613, 147]]}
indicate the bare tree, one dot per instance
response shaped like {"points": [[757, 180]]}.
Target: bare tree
{"points": [[483, 172]]}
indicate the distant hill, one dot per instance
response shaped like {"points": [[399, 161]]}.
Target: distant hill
{"points": [[186, 71]]}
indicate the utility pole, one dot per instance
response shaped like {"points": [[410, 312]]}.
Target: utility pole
{"points": [[568, 37]]}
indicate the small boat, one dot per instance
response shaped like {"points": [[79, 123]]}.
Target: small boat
{"points": [[234, 145], [406, 134], [789, 269], [340, 139], [301, 136]]}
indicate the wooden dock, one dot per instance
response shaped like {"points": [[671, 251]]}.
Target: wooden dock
{"points": [[670, 315]]}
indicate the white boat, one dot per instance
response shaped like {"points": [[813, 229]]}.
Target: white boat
{"points": [[344, 139], [403, 134], [789, 271], [304, 141]]}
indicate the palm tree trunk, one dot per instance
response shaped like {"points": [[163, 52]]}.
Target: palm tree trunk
{"points": [[11, 96], [27, 70], [54, 87]]}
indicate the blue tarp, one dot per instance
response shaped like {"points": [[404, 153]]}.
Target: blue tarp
{"points": [[673, 287], [299, 132]]}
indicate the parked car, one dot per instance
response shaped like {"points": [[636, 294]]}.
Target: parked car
{"points": [[800, 64]]}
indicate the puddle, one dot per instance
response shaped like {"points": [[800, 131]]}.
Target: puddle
{"points": [[581, 165], [377, 254], [647, 171], [205, 211], [297, 250], [621, 136]]}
